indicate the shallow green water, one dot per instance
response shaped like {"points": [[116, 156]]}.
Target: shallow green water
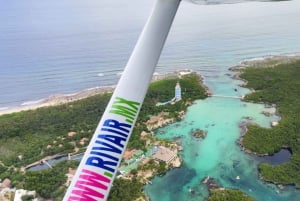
{"points": [[218, 155]]}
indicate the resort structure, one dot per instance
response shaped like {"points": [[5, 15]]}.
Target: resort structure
{"points": [[164, 154]]}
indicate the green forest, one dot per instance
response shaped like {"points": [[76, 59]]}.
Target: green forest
{"points": [[278, 85], [228, 195]]}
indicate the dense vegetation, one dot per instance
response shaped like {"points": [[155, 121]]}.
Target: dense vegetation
{"points": [[277, 85], [46, 184], [163, 90], [228, 195], [49, 183], [126, 190], [25, 136]]}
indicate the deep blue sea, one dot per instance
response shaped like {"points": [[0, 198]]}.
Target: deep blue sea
{"points": [[61, 47]]}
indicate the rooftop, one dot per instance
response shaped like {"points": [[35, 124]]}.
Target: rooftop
{"points": [[164, 154]]}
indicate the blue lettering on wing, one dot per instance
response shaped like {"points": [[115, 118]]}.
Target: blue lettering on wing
{"points": [[111, 123], [109, 142]]}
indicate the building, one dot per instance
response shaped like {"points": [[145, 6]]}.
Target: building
{"points": [[21, 192], [70, 176], [177, 92], [164, 154], [6, 193]]}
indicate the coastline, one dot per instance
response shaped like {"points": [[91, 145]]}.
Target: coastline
{"points": [[274, 60], [270, 61], [264, 167], [263, 62], [58, 99]]}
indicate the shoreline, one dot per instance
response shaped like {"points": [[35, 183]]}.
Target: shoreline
{"points": [[266, 62], [261, 62], [271, 62], [277, 59], [58, 99]]}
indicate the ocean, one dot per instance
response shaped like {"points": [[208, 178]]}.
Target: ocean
{"points": [[63, 47]]}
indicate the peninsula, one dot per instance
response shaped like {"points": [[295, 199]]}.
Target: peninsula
{"points": [[275, 81]]}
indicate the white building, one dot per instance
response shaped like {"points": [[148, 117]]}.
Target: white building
{"points": [[6, 192], [21, 192], [177, 92]]}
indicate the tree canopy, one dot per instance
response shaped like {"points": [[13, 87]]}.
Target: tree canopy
{"points": [[228, 195], [278, 85]]}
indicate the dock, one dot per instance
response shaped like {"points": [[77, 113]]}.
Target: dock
{"points": [[224, 96]]}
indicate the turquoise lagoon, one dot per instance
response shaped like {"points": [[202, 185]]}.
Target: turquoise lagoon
{"points": [[218, 155]]}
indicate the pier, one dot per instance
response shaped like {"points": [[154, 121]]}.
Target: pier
{"points": [[223, 96]]}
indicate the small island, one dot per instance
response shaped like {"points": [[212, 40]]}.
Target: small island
{"points": [[198, 133], [228, 194], [219, 193]]}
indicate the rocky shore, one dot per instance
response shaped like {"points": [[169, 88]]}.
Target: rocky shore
{"points": [[263, 62]]}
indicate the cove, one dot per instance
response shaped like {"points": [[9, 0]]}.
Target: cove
{"points": [[218, 155], [284, 155]]}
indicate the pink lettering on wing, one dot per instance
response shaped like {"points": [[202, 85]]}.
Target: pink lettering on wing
{"points": [[86, 185]]}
